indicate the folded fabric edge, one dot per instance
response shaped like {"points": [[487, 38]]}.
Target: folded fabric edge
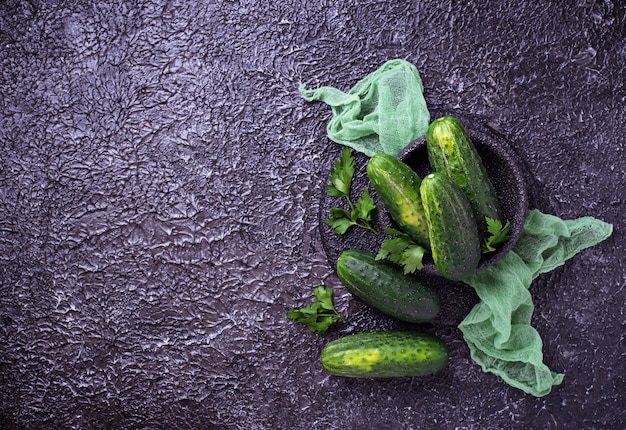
{"points": [[356, 133], [602, 231], [330, 95], [555, 378], [478, 353]]}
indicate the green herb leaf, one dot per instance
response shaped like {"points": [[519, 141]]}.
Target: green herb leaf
{"points": [[402, 250], [497, 234], [412, 258], [365, 208], [392, 249], [360, 215], [341, 175], [339, 213], [340, 225], [333, 192], [324, 296], [321, 315], [393, 232]]}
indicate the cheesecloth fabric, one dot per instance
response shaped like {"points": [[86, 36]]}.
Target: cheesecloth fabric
{"points": [[382, 113], [498, 329]]}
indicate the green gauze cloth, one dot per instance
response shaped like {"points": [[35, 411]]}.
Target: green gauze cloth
{"points": [[384, 112], [497, 330]]}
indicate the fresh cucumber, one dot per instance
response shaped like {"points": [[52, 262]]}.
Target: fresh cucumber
{"points": [[452, 152], [385, 287], [385, 354], [454, 239], [397, 186]]}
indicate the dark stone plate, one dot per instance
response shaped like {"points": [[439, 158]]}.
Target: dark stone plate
{"points": [[505, 172]]}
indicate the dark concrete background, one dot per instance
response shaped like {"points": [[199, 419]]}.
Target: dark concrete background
{"points": [[160, 181]]}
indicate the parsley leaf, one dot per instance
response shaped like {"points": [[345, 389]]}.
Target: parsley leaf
{"points": [[360, 215], [412, 258], [321, 315], [340, 220], [365, 208], [341, 175], [402, 250], [497, 234]]}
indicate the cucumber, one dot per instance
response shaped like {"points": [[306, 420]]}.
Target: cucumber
{"points": [[397, 186], [385, 287], [385, 354], [454, 239], [452, 152]]}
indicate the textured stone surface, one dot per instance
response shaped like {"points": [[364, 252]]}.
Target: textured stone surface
{"points": [[160, 182]]}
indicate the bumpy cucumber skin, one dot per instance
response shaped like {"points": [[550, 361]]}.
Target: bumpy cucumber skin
{"points": [[385, 287], [385, 354], [454, 239], [397, 186], [451, 152]]}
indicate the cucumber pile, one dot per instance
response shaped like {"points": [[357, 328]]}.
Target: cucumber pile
{"points": [[451, 206], [448, 214], [452, 153]]}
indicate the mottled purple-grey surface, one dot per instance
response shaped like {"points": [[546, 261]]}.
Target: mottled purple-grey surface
{"points": [[160, 182]]}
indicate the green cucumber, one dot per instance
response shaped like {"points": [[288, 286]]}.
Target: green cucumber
{"points": [[385, 354], [385, 287], [398, 185], [452, 152], [454, 239]]}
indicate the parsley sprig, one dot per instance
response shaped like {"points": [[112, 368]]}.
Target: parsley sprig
{"points": [[321, 315], [361, 214], [497, 234], [402, 250]]}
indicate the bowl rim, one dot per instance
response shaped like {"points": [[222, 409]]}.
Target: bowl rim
{"points": [[500, 147], [333, 245]]}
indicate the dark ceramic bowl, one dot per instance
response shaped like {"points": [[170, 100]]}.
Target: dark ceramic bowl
{"points": [[504, 171], [503, 167]]}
